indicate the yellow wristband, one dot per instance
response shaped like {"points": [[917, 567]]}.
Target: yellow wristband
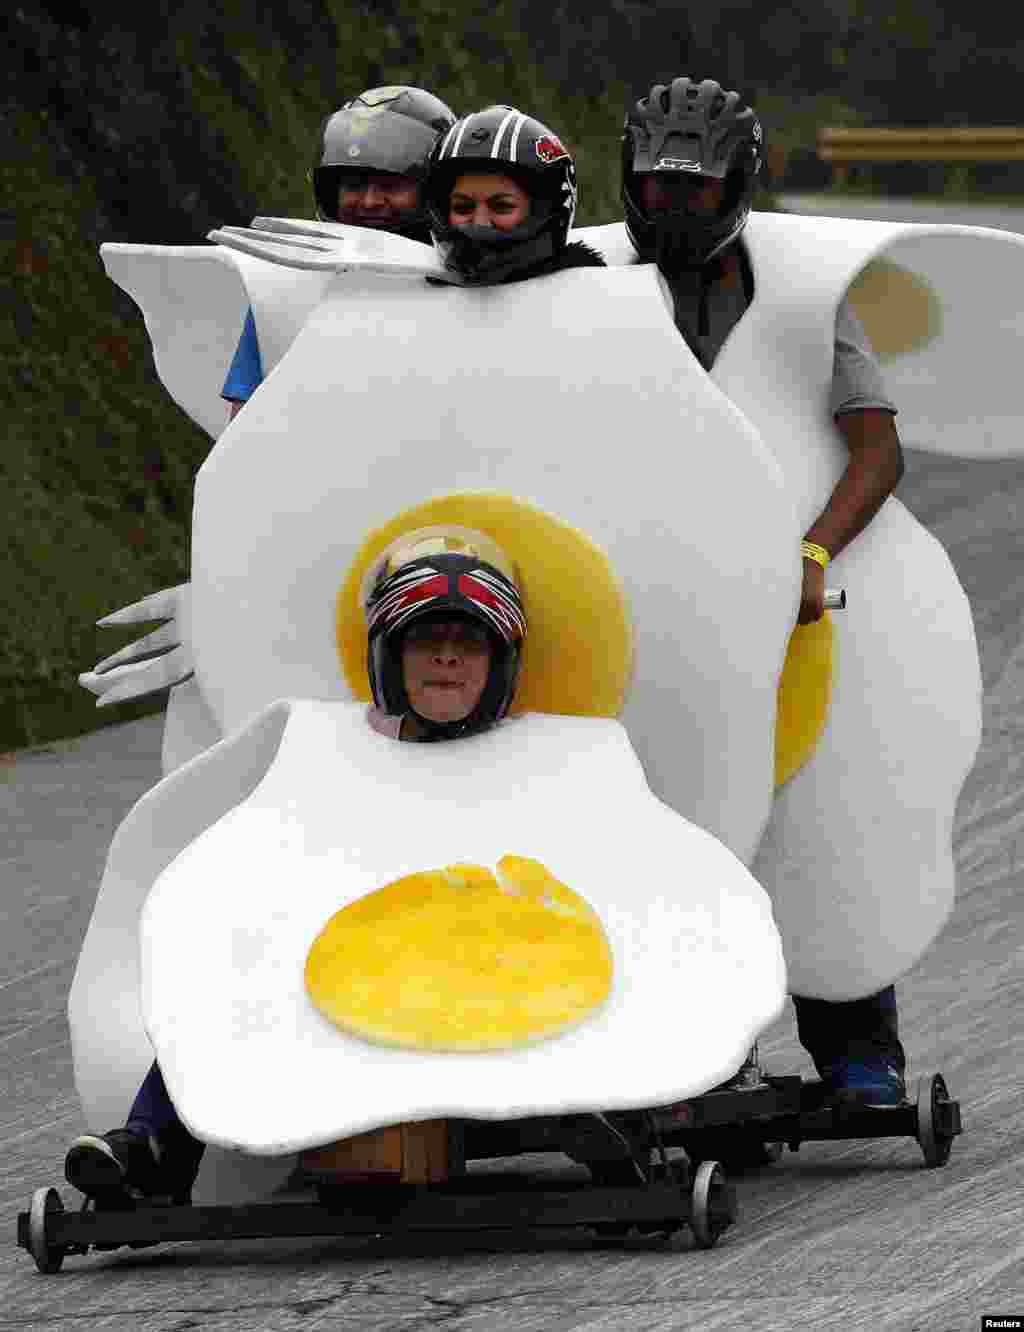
{"points": [[812, 551]]}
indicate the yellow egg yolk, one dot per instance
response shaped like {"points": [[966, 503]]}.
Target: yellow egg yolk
{"points": [[462, 959]]}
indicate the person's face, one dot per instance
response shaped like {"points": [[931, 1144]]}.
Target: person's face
{"points": [[664, 192], [488, 201], [445, 664], [376, 199]]}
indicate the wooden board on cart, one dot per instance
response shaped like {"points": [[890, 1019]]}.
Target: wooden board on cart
{"points": [[416, 1153]]}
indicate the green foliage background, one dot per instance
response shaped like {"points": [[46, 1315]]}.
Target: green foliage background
{"points": [[154, 124]]}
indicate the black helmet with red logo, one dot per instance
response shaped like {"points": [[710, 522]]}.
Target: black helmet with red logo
{"points": [[690, 128], [444, 573], [507, 142], [384, 131]]}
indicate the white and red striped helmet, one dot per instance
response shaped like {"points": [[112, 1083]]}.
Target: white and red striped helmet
{"points": [[441, 573], [505, 141]]}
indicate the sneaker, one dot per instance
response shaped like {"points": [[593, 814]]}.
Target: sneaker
{"points": [[115, 1165], [867, 1082]]}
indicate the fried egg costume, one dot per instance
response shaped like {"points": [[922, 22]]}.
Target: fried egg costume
{"points": [[577, 395]]}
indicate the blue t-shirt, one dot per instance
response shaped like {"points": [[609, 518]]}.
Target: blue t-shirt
{"points": [[246, 373]]}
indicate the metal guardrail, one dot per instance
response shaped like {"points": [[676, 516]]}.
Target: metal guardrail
{"points": [[999, 144], [841, 147]]}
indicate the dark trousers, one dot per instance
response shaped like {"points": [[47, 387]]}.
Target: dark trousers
{"points": [[860, 1029], [153, 1114]]}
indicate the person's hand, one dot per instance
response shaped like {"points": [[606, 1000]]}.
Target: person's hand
{"points": [[812, 596], [156, 661]]}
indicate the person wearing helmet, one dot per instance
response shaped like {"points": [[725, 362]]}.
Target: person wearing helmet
{"points": [[691, 154], [445, 629], [370, 165], [445, 632], [501, 197]]}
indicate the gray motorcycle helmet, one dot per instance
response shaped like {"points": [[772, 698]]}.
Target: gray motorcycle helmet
{"points": [[388, 130], [696, 128]]}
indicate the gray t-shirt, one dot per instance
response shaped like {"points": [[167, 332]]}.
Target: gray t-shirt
{"points": [[857, 382]]}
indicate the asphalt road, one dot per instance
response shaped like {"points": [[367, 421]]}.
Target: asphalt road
{"points": [[851, 1235]]}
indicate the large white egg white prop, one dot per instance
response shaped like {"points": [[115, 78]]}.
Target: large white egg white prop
{"points": [[939, 303], [858, 852], [341, 811], [872, 813], [573, 392]]}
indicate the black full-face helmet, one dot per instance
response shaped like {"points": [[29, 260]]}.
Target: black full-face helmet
{"points": [[444, 573], [690, 128], [383, 130], [502, 141]]}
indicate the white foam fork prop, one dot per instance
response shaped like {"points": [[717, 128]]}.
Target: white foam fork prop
{"points": [[158, 660], [286, 238], [276, 252], [163, 605], [331, 246], [161, 640], [299, 226]]}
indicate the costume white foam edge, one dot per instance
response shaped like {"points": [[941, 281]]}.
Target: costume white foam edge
{"points": [[252, 1065]]}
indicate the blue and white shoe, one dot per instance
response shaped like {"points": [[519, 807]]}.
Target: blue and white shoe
{"points": [[867, 1082]]}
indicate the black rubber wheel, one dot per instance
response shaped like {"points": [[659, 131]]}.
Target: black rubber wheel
{"points": [[935, 1145], [45, 1202], [713, 1205]]}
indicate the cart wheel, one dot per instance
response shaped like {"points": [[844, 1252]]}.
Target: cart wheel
{"points": [[45, 1202], [713, 1207], [935, 1144]]}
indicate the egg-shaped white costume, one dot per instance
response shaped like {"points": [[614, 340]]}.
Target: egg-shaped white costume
{"points": [[342, 810], [858, 849], [570, 393]]}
